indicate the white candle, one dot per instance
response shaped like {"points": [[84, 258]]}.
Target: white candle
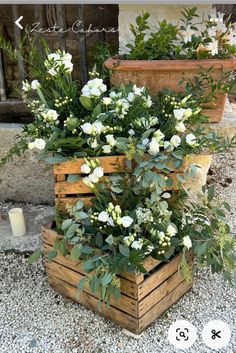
{"points": [[17, 222]]}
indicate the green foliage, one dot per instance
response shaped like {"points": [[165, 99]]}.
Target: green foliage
{"points": [[35, 256]]}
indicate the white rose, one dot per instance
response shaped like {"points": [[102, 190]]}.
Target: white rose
{"points": [[179, 113], [98, 126], [110, 139], [98, 171], [137, 244], [103, 88], [95, 91], [103, 216], [31, 145], [106, 149], [35, 84], [126, 221], [187, 242], [107, 100], [93, 178], [87, 128], [85, 91], [85, 169], [171, 230], [180, 127], [40, 144], [175, 140], [154, 147], [191, 139], [52, 114]]}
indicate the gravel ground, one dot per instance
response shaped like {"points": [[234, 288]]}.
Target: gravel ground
{"points": [[34, 318]]}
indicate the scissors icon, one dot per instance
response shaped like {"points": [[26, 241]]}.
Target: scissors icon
{"points": [[215, 334]]}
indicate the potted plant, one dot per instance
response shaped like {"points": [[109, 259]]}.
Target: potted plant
{"points": [[122, 230], [163, 58]]}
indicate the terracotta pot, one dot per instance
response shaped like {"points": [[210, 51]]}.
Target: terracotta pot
{"points": [[160, 74]]}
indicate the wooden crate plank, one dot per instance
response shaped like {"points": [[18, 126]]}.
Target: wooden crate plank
{"points": [[62, 202], [160, 292], [76, 187], [158, 277], [127, 287], [163, 305], [110, 164], [124, 303], [91, 302]]}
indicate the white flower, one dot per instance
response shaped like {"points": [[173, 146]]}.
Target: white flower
{"points": [[131, 132], [98, 125], [106, 149], [52, 71], [191, 139], [68, 65], [87, 182], [31, 145], [128, 240], [180, 127], [40, 144], [85, 169], [95, 92], [179, 113], [130, 97], [171, 230], [213, 47], [167, 145], [103, 216], [138, 90], [87, 128], [93, 178], [98, 171], [187, 34], [188, 112], [54, 56], [137, 244], [158, 135], [211, 32], [126, 221], [175, 140], [52, 115], [94, 87], [106, 100], [110, 222], [35, 84], [187, 242], [26, 86], [110, 139], [148, 102], [94, 144], [154, 147]]}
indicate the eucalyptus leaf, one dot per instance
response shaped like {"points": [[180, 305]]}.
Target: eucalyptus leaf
{"points": [[73, 177], [75, 252], [35, 256], [51, 255], [124, 250]]}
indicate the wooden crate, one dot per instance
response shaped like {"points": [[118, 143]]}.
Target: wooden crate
{"points": [[144, 297], [68, 193]]}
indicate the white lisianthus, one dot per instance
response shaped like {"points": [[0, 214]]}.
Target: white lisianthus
{"points": [[130, 97], [85, 169], [188, 112], [98, 171], [138, 90], [110, 139], [94, 144], [148, 102], [93, 178], [187, 34], [103, 216], [54, 56], [179, 113], [213, 47], [35, 84], [131, 132], [126, 221], [106, 100], [187, 242], [154, 147], [94, 87], [110, 222], [40, 144], [106, 149], [88, 182], [98, 125], [137, 244], [87, 128], [95, 92], [52, 115], [158, 135], [180, 127], [191, 139], [171, 230], [31, 145], [175, 141], [68, 66]]}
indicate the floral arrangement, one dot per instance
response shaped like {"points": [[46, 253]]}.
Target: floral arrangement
{"points": [[132, 215], [194, 38]]}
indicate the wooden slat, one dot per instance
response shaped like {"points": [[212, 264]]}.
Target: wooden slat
{"points": [[163, 305], [159, 277], [110, 164], [91, 302], [160, 292], [62, 202], [124, 303], [76, 187]]}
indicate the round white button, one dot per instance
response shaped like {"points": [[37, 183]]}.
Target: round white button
{"points": [[216, 334], [182, 334]]}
